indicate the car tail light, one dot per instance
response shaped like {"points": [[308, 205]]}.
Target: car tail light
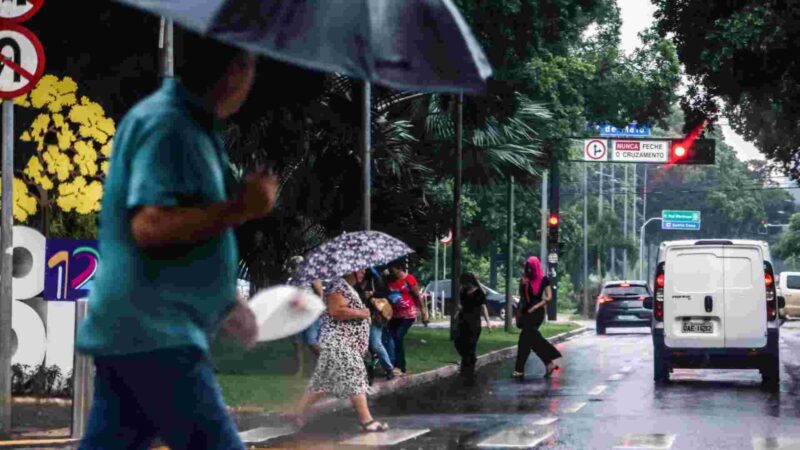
{"points": [[658, 304], [604, 299], [769, 284]]}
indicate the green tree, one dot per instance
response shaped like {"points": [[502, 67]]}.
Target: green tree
{"points": [[741, 56], [789, 244]]}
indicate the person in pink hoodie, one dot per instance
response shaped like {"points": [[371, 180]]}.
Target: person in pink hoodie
{"points": [[534, 293]]}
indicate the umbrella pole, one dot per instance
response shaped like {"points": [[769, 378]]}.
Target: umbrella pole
{"points": [[366, 157], [456, 282], [165, 44]]}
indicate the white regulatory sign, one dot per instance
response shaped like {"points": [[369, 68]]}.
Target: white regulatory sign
{"points": [[595, 150], [21, 60], [639, 151]]}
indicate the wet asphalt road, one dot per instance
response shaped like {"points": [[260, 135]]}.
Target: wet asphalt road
{"points": [[603, 398]]}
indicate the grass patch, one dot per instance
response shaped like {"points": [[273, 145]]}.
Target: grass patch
{"points": [[249, 379]]}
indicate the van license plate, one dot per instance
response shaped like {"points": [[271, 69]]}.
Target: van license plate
{"points": [[694, 327], [627, 318]]}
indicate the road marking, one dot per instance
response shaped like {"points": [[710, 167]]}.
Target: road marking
{"points": [[626, 369], [647, 441], [597, 390], [264, 434], [615, 377], [760, 443], [384, 439], [575, 407], [521, 437], [546, 421]]}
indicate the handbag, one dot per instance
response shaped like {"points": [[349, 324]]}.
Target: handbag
{"points": [[383, 310]]}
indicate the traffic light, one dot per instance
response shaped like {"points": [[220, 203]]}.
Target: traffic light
{"points": [[552, 231], [553, 220], [692, 151]]}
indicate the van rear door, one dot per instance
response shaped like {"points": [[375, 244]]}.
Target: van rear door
{"points": [[745, 297], [694, 297]]}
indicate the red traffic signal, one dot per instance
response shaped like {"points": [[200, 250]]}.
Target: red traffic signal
{"points": [[692, 151], [553, 220]]}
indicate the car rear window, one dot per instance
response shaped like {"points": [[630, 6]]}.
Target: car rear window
{"points": [[793, 281], [625, 290]]}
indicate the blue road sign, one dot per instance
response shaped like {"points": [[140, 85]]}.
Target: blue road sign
{"points": [[693, 226], [629, 130]]}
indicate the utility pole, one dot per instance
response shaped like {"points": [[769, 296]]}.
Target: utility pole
{"points": [[585, 240], [366, 155], [634, 199], [455, 281], [600, 218], [644, 217], [510, 255], [626, 188], [614, 214]]}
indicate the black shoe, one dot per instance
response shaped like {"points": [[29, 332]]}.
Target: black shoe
{"points": [[389, 375]]}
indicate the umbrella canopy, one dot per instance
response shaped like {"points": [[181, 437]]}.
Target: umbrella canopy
{"points": [[348, 253], [422, 45]]}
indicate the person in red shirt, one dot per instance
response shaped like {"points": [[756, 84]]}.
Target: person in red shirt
{"points": [[406, 305]]}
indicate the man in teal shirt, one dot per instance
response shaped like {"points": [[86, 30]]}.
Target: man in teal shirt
{"points": [[169, 258]]}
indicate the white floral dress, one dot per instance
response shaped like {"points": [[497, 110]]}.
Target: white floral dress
{"points": [[340, 370]]}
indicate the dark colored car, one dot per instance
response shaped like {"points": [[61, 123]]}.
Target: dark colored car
{"points": [[495, 301], [621, 304]]}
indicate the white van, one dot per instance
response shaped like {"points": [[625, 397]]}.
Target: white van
{"points": [[789, 288], [715, 306]]}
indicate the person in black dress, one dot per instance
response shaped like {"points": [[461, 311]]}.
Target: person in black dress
{"points": [[468, 322], [534, 293]]}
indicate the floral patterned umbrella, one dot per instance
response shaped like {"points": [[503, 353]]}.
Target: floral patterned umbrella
{"points": [[348, 253]]}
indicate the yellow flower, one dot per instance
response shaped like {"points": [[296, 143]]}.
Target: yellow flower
{"points": [[24, 203], [83, 143], [54, 94]]}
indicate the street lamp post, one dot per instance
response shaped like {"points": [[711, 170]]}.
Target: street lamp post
{"points": [[641, 246]]}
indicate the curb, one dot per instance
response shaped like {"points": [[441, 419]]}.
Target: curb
{"points": [[395, 385]]}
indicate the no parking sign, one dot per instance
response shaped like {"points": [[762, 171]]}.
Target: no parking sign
{"points": [[21, 52]]}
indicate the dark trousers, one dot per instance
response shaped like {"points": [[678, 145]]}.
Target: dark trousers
{"points": [[397, 335], [467, 333], [532, 340], [171, 394]]}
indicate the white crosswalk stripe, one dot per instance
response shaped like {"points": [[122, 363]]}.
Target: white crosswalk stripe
{"points": [[760, 443], [264, 434], [615, 377], [646, 441], [597, 390], [384, 439], [520, 437], [575, 407]]}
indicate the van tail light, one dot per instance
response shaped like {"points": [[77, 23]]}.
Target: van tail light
{"points": [[604, 299], [658, 304], [772, 297]]}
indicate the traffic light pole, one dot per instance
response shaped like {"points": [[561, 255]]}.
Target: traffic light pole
{"points": [[553, 247]]}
